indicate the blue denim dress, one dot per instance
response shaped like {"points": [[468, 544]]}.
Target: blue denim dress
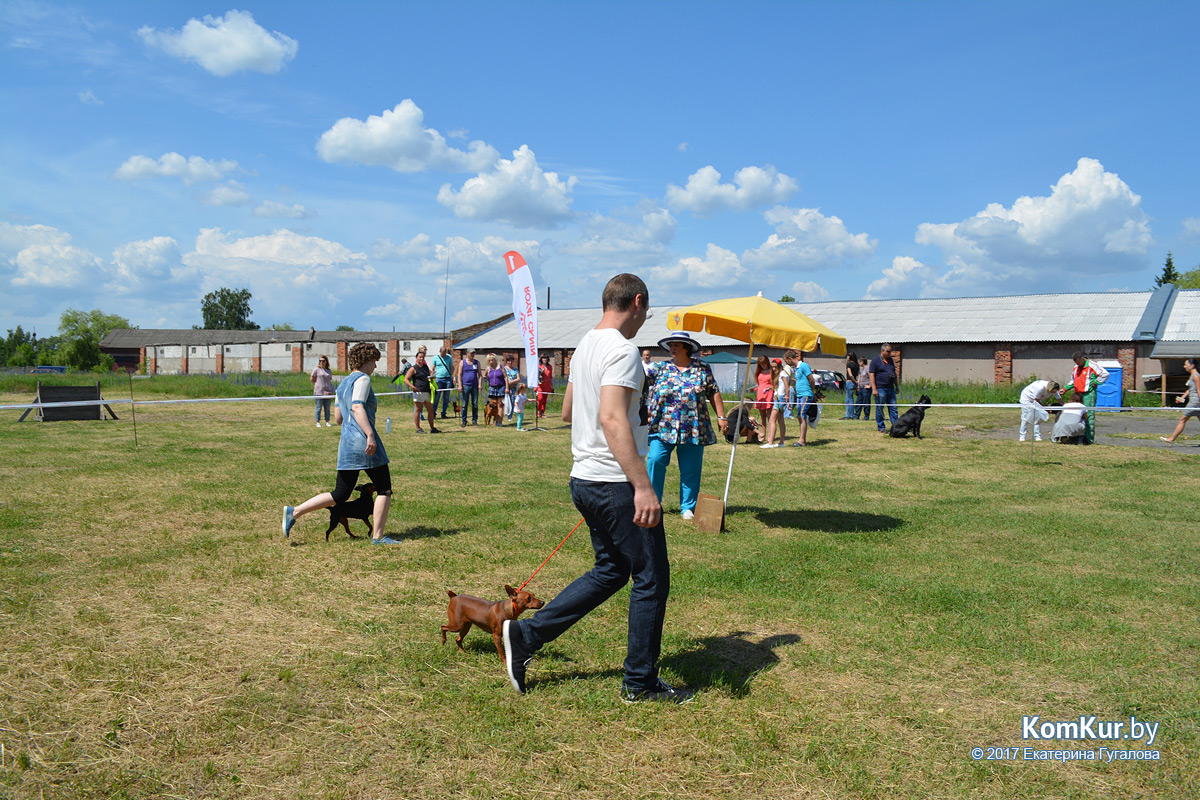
{"points": [[352, 448]]}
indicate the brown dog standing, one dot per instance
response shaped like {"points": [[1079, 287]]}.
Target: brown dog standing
{"points": [[465, 610]]}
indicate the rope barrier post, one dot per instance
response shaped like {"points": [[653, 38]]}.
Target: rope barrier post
{"points": [[133, 411]]}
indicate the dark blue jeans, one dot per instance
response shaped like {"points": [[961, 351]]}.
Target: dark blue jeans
{"points": [[886, 397], [864, 403], [622, 550], [470, 394], [444, 385]]}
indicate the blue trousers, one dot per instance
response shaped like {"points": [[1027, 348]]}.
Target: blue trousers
{"points": [[622, 550], [444, 386], [886, 397], [851, 391], [324, 402], [470, 394], [864, 403], [691, 460]]}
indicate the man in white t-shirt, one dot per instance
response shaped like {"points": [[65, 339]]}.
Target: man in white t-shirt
{"points": [[612, 490], [1033, 399]]}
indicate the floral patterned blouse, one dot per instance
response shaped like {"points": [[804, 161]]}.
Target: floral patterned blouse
{"points": [[678, 403]]}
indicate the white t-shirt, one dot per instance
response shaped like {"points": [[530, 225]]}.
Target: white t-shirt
{"points": [[1072, 412], [604, 358], [1038, 390]]}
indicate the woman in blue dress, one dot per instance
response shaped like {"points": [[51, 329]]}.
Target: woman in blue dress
{"points": [[359, 448], [677, 403]]}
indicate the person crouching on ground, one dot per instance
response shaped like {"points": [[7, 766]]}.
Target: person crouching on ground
{"points": [[359, 447], [1069, 426], [678, 405], [1033, 401]]}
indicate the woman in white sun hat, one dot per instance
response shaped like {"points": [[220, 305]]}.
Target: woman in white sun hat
{"points": [[677, 403]]}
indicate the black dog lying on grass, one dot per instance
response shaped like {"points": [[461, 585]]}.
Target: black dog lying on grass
{"points": [[910, 421], [363, 508]]}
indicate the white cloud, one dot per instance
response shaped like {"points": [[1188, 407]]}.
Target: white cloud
{"points": [[419, 247], [145, 260], [1191, 227], [280, 247], [806, 239], [276, 210], [225, 45], [1090, 225], [752, 187], [172, 165], [719, 267], [230, 194], [42, 256], [88, 98], [614, 243], [517, 191], [809, 292], [399, 139], [903, 278], [682, 147]]}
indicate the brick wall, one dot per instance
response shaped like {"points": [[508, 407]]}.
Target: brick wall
{"points": [[221, 361], [297, 357], [1127, 356], [183, 365], [341, 356], [1003, 365], [393, 356]]}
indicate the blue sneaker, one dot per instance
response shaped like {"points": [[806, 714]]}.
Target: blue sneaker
{"points": [[288, 521], [385, 540]]}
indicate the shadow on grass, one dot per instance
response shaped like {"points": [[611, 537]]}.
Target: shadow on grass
{"points": [[425, 532], [729, 662], [828, 520]]}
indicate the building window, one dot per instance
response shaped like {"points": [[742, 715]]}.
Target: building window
{"points": [[407, 346], [228, 349], [308, 347], [193, 351], [287, 347], [382, 347]]}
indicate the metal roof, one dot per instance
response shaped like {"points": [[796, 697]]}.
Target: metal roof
{"points": [[1183, 323], [1101, 316], [143, 337]]}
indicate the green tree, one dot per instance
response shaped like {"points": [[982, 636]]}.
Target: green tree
{"points": [[787, 298], [1189, 279], [282, 326], [82, 331], [344, 328], [1169, 274], [227, 310], [10, 344], [23, 356]]}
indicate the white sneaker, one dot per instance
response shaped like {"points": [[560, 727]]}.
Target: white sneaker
{"points": [[327, 425], [687, 514], [1021, 439], [318, 424], [1037, 438]]}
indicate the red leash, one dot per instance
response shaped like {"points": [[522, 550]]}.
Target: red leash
{"points": [[560, 544]]}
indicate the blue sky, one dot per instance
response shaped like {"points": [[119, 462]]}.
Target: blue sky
{"points": [[332, 157]]}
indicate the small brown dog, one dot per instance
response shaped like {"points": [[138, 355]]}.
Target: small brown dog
{"points": [[493, 412], [465, 610], [363, 508]]}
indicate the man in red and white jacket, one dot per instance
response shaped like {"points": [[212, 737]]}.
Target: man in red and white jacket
{"points": [[1086, 376]]}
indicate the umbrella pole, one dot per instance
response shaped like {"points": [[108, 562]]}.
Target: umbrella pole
{"points": [[732, 453]]}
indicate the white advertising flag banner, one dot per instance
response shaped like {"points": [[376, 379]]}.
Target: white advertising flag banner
{"points": [[524, 311]]}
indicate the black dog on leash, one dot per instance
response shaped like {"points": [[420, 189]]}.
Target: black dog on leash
{"points": [[910, 421], [363, 508]]}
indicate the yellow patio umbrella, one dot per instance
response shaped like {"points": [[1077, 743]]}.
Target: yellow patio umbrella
{"points": [[755, 320], [758, 320]]}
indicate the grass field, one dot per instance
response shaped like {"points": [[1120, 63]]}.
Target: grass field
{"points": [[875, 610]]}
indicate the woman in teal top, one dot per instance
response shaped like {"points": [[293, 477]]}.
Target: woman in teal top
{"points": [[678, 410], [359, 448]]}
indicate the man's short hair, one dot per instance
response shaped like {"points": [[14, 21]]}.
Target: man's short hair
{"points": [[620, 292], [1078, 354], [361, 353]]}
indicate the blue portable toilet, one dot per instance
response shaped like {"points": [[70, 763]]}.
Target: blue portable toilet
{"points": [[1108, 394]]}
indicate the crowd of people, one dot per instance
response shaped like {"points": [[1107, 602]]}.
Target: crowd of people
{"points": [[628, 416]]}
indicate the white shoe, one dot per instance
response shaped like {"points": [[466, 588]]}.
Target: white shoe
{"points": [[1021, 439], [327, 425], [318, 424], [1037, 438], [687, 514]]}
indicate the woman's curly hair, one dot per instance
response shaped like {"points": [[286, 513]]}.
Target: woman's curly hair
{"points": [[361, 353]]}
